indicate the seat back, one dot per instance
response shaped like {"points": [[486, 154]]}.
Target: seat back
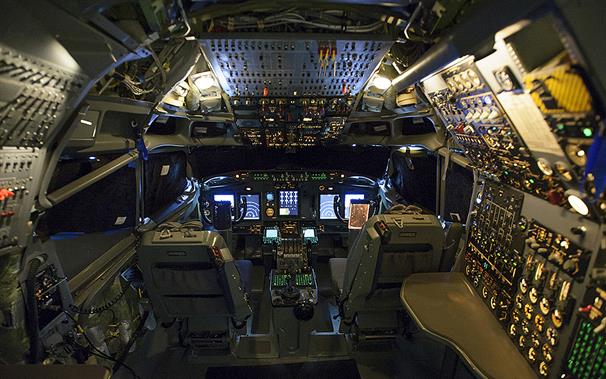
{"points": [[191, 274], [389, 248]]}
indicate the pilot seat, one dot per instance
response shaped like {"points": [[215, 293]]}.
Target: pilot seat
{"points": [[389, 248], [192, 278]]}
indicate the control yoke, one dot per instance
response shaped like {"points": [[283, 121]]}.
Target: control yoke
{"points": [[238, 212]]}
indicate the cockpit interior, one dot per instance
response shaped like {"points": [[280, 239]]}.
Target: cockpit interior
{"points": [[260, 189]]}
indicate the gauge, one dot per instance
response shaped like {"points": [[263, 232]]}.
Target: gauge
{"points": [[546, 349], [545, 306], [533, 295], [543, 369], [532, 354], [544, 166], [528, 311], [539, 322], [552, 336], [557, 318]]}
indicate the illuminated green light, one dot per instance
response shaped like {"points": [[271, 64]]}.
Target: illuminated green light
{"points": [[587, 132], [560, 126]]}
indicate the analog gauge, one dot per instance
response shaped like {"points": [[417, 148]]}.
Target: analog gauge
{"points": [[528, 311], [484, 292], [552, 336], [576, 154], [519, 301], [563, 171], [525, 327], [543, 369], [533, 295], [532, 354], [516, 317], [269, 212], [544, 166], [539, 322], [557, 318], [513, 330], [493, 302], [522, 341], [523, 285], [545, 306], [546, 349]]}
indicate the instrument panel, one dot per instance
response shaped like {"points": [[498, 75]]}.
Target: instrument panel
{"points": [[289, 197]]}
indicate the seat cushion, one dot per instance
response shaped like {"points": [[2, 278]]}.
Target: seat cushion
{"points": [[337, 273], [245, 267]]}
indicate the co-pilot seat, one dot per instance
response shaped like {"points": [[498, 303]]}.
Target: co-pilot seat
{"points": [[191, 276], [389, 248]]}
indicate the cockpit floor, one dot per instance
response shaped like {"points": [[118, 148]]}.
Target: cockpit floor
{"points": [[159, 355]]}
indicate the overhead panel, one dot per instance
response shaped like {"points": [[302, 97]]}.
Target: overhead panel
{"points": [[294, 64]]}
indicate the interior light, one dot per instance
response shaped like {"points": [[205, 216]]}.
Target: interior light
{"points": [[575, 199], [204, 80], [381, 82], [411, 148]]}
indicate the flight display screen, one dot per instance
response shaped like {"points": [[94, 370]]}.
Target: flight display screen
{"points": [[327, 211], [253, 209], [271, 233], [309, 233], [289, 203], [224, 197]]}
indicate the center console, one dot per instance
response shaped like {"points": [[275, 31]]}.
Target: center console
{"points": [[293, 280]]}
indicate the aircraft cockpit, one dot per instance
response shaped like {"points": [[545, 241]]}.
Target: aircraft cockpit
{"points": [[358, 189]]}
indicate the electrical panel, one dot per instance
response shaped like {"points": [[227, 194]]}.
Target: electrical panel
{"points": [[559, 250], [586, 357], [34, 96], [543, 301], [473, 114], [48, 296], [19, 175], [525, 117], [493, 258], [290, 122], [531, 129], [529, 275], [559, 91], [322, 65]]}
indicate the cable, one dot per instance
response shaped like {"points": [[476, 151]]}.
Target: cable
{"points": [[95, 310], [184, 15], [291, 17], [32, 310], [404, 209], [98, 352]]}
